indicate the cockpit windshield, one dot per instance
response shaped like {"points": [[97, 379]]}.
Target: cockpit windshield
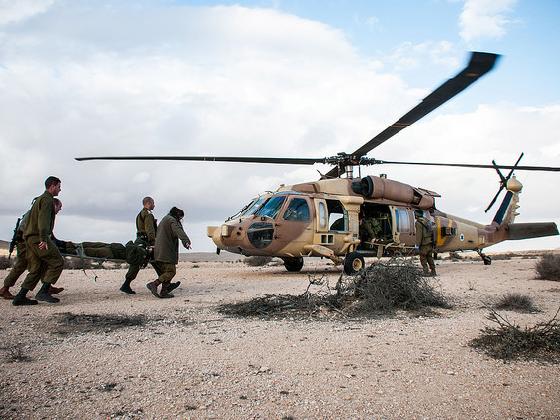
{"points": [[272, 206], [251, 207]]}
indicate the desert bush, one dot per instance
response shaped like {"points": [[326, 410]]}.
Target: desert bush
{"points": [[398, 284], [508, 341], [516, 302], [377, 290], [506, 256], [5, 263], [257, 261], [454, 255], [548, 267]]}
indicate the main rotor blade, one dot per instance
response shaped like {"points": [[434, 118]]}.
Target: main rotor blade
{"points": [[467, 165], [244, 159], [479, 64]]}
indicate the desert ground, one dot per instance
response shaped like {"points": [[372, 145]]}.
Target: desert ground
{"points": [[185, 359]]}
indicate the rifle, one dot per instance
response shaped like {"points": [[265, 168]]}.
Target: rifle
{"points": [[14, 240]]}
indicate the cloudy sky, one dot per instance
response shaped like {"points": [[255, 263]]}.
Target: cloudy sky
{"points": [[266, 78]]}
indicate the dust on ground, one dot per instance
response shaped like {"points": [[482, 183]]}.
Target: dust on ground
{"points": [[103, 354]]}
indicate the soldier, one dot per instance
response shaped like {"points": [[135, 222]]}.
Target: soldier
{"points": [[145, 235], [370, 229], [21, 257], [425, 242], [44, 261], [169, 232]]}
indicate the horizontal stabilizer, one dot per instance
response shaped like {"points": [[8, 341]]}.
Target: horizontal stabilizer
{"points": [[531, 230]]}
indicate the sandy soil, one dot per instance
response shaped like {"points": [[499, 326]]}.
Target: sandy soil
{"points": [[189, 361]]}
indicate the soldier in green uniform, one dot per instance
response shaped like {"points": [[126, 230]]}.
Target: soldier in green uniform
{"points": [[170, 231], [146, 236], [21, 257], [425, 242], [44, 261], [370, 229]]}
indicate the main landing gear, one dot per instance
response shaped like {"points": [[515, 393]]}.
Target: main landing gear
{"points": [[293, 264], [485, 258], [353, 263]]}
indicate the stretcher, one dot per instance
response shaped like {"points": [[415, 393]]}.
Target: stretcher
{"points": [[131, 253]]}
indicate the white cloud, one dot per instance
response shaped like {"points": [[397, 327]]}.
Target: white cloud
{"points": [[485, 18], [410, 56], [13, 11]]}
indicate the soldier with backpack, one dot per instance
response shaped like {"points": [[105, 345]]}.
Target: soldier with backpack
{"points": [[425, 242]]}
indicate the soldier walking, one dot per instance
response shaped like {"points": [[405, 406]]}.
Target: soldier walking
{"points": [[44, 261], [145, 236], [21, 256], [425, 242], [169, 232]]}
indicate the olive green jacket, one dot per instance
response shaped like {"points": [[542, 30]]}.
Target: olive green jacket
{"points": [[169, 232], [424, 232], [370, 229], [146, 225], [41, 217]]}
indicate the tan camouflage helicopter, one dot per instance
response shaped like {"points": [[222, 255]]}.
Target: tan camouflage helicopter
{"points": [[322, 218]]}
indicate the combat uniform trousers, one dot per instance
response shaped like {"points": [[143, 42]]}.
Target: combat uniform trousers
{"points": [[168, 271], [133, 270], [427, 258], [19, 267], [42, 264]]}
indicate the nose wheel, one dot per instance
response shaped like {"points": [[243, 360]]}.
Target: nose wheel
{"points": [[293, 264], [353, 263]]}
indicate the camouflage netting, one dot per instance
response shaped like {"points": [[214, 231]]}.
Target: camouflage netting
{"points": [[378, 290]]}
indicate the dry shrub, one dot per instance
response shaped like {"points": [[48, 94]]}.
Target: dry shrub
{"points": [[377, 290], [257, 261], [506, 256], [398, 284], [5, 263], [508, 341], [548, 267], [516, 302]]}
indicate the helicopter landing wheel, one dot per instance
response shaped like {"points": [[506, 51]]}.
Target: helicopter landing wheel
{"points": [[486, 260], [293, 264], [353, 263]]}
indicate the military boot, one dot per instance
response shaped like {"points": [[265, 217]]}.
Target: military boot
{"points": [[43, 294], [5, 293], [433, 272], [22, 300], [165, 291], [125, 288], [173, 286], [152, 287], [55, 290]]}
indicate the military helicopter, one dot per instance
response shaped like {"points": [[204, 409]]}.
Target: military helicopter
{"points": [[322, 218]]}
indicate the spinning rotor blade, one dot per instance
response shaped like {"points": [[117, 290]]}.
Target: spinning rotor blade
{"points": [[479, 64], [467, 165], [244, 159]]}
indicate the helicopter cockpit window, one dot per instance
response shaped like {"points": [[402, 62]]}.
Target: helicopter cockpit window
{"points": [[338, 216], [253, 206], [297, 210], [272, 207]]}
